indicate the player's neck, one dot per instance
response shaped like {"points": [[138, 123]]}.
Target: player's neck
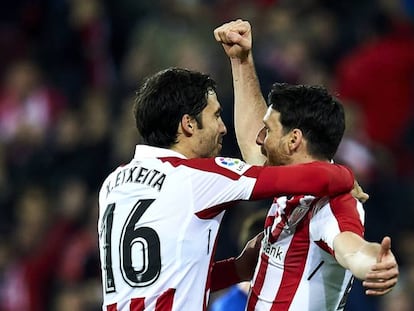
{"points": [[185, 150], [302, 158]]}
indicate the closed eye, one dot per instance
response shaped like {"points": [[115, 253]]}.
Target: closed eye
{"points": [[218, 113]]}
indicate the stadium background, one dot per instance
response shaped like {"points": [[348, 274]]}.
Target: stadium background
{"points": [[68, 71]]}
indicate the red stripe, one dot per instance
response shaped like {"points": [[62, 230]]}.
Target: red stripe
{"points": [[325, 247], [294, 266], [344, 208], [264, 262], [258, 283], [111, 307], [270, 220], [290, 206], [212, 212], [165, 301], [137, 304]]}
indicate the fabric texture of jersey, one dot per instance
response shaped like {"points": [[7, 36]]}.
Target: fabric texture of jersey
{"points": [[297, 270], [165, 252], [159, 216]]}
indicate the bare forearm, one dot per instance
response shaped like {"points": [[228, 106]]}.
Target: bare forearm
{"points": [[360, 262], [250, 108], [372, 262]]}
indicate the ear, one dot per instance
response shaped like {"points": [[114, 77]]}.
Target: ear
{"points": [[187, 125], [295, 139]]}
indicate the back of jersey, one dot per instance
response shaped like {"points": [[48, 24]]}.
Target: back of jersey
{"points": [[150, 239], [158, 222]]}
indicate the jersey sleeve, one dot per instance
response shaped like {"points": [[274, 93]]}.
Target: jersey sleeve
{"points": [[214, 183], [315, 178], [223, 274], [342, 213]]}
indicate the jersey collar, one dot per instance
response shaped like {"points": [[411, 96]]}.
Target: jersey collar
{"points": [[144, 151]]}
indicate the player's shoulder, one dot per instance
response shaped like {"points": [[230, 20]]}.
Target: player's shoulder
{"points": [[112, 174], [219, 165], [344, 198], [346, 203], [339, 202], [233, 164]]}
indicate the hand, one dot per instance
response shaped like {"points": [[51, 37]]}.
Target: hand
{"points": [[236, 38], [384, 274], [247, 260], [358, 193]]}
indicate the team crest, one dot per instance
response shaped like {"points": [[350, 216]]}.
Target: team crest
{"points": [[300, 211], [296, 216]]}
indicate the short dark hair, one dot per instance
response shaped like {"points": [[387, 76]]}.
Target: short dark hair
{"points": [[164, 98], [313, 110]]}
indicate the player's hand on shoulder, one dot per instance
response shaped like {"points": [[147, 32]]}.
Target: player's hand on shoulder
{"points": [[358, 193]]}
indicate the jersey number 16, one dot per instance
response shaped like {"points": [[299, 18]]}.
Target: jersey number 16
{"points": [[142, 240]]}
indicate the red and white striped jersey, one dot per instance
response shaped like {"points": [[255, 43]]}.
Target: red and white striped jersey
{"points": [[297, 270], [159, 216]]}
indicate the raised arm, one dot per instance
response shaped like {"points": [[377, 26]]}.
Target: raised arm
{"points": [[372, 262], [250, 105]]}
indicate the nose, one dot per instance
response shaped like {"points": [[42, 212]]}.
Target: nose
{"points": [[261, 136]]}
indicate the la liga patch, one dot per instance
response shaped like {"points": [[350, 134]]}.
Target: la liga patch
{"points": [[232, 164]]}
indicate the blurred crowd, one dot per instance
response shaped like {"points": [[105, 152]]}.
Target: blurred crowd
{"points": [[69, 69]]}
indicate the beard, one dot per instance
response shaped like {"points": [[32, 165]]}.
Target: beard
{"points": [[277, 159]]}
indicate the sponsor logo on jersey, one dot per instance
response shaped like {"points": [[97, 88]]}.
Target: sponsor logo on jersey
{"points": [[274, 251], [234, 165]]}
